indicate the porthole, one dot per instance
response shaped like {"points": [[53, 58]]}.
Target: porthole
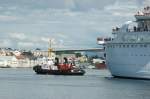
{"points": [[135, 45], [132, 45], [127, 45], [145, 45], [141, 45]]}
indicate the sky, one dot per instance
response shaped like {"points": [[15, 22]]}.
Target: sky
{"points": [[29, 24]]}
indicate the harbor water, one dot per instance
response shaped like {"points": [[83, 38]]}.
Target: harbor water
{"points": [[23, 83]]}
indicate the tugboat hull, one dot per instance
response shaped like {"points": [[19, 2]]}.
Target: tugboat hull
{"points": [[39, 70]]}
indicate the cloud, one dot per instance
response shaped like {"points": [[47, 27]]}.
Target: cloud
{"points": [[45, 39], [19, 36], [71, 23], [146, 2], [70, 4], [5, 43], [25, 44], [122, 8], [61, 35], [122, 5], [7, 18]]}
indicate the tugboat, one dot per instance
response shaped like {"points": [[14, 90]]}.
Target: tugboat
{"points": [[65, 68], [39, 70], [58, 69]]}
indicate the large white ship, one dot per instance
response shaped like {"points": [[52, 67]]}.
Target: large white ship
{"points": [[128, 53]]}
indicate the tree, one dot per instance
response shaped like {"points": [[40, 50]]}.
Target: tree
{"points": [[37, 49], [78, 54]]}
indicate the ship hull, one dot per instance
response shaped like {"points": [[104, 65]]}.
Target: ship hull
{"points": [[128, 61]]}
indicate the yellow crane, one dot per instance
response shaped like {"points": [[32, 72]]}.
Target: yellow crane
{"points": [[50, 48]]}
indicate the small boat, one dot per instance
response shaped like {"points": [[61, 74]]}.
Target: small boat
{"points": [[75, 71]]}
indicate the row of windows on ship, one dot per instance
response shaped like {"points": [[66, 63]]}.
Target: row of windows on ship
{"points": [[134, 29], [127, 45]]}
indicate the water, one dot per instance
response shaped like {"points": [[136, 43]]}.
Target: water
{"points": [[23, 83]]}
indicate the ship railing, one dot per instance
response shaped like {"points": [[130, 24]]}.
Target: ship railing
{"points": [[102, 41], [115, 29], [134, 29], [145, 12], [138, 29]]}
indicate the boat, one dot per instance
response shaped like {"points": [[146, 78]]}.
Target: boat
{"points": [[58, 68], [99, 63], [128, 52], [75, 71]]}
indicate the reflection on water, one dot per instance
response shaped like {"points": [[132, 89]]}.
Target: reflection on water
{"points": [[96, 84]]}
